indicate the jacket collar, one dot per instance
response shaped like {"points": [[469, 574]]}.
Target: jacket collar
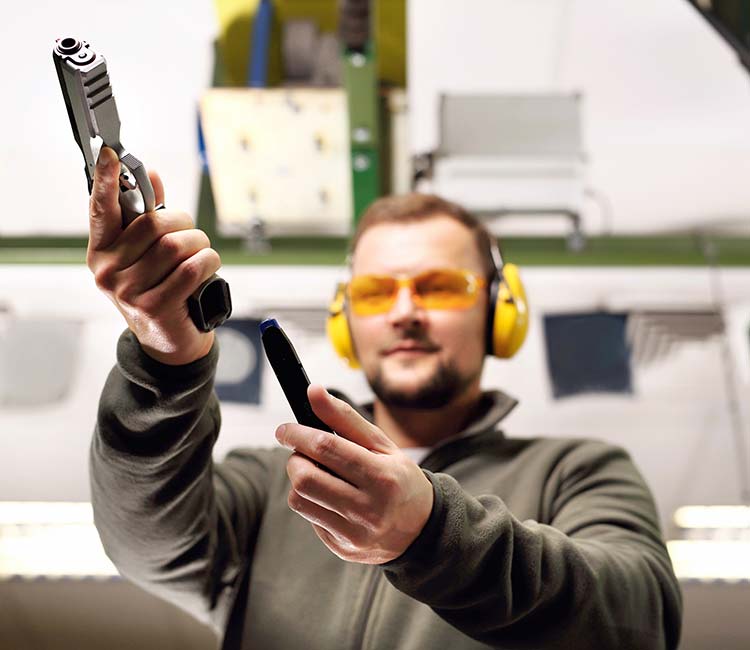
{"points": [[493, 407]]}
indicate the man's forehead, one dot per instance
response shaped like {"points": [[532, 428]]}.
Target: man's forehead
{"points": [[413, 246]]}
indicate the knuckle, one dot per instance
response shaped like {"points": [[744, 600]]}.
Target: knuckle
{"points": [[105, 274], [189, 241], [303, 483], [358, 536], [385, 479], [149, 304], [125, 293], [97, 200], [381, 530], [148, 225], [170, 245], [324, 443], [294, 501], [345, 408], [191, 270], [150, 222]]}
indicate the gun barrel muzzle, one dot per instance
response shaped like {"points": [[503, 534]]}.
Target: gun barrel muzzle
{"points": [[74, 50]]}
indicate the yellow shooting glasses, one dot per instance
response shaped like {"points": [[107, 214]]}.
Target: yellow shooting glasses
{"points": [[370, 295]]}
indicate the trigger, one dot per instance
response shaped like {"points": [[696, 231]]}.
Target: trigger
{"points": [[127, 181]]}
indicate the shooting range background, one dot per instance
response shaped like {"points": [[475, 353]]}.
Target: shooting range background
{"points": [[666, 129], [665, 101]]}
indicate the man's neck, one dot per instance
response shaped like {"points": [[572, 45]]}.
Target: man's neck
{"points": [[426, 427]]}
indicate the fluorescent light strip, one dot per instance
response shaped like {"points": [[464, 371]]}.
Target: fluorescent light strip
{"points": [[713, 517], [51, 540], [53, 552], [710, 560], [41, 512]]}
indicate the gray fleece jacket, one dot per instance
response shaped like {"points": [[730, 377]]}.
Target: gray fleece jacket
{"points": [[531, 543]]}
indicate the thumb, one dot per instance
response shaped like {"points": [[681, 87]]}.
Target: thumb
{"points": [[105, 216]]}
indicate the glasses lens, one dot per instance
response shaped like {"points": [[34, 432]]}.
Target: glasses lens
{"points": [[446, 289], [371, 294]]}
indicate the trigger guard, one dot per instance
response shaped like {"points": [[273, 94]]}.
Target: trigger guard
{"points": [[138, 198], [132, 204]]}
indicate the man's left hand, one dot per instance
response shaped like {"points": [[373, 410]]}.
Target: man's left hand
{"points": [[379, 500]]}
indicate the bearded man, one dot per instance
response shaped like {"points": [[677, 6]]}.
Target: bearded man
{"points": [[420, 525]]}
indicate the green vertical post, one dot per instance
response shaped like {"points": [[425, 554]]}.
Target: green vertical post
{"points": [[360, 79], [361, 83]]}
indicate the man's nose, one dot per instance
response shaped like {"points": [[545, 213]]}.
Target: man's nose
{"points": [[405, 308]]}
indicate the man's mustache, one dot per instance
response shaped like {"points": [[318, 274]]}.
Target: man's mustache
{"points": [[416, 337]]}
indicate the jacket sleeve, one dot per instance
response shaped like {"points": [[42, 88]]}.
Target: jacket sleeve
{"points": [[169, 519], [598, 576]]}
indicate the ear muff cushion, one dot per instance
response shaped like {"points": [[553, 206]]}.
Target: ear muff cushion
{"points": [[511, 320], [337, 329]]}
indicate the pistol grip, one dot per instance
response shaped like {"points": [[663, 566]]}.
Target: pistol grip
{"points": [[211, 304]]}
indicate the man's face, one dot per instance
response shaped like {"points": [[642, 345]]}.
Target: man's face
{"points": [[414, 357]]}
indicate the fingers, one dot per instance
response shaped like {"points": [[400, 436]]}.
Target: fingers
{"points": [[352, 462], [143, 233], [158, 187], [326, 519], [105, 216], [319, 486], [165, 255], [345, 421], [182, 282], [150, 268]]}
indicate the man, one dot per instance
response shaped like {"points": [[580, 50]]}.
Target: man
{"points": [[490, 542]]}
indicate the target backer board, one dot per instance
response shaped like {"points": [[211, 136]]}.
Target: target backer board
{"points": [[279, 156]]}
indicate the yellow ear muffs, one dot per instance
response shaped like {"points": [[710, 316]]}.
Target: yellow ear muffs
{"points": [[509, 314], [337, 328]]}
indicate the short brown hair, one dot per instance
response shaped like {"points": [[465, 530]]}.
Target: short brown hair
{"points": [[413, 207]]}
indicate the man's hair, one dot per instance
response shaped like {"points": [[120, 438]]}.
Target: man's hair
{"points": [[415, 207]]}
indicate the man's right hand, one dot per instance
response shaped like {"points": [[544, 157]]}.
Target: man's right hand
{"points": [[150, 268]]}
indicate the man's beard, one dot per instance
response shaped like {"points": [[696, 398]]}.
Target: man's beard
{"points": [[441, 389]]}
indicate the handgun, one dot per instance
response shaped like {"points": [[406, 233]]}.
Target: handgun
{"points": [[84, 81]]}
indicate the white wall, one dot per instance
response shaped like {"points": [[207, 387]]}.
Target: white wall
{"points": [[666, 104], [676, 424], [160, 59]]}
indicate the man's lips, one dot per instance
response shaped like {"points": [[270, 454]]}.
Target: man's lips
{"points": [[410, 346]]}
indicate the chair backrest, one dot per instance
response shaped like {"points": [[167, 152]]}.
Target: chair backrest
{"points": [[510, 125]]}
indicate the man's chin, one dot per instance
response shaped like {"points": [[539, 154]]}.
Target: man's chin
{"points": [[430, 387]]}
